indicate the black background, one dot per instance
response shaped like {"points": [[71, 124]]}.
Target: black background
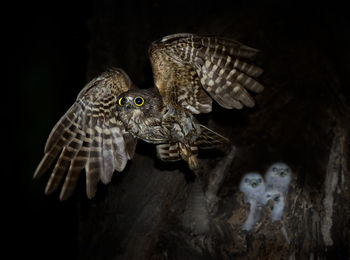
{"points": [[46, 51]]}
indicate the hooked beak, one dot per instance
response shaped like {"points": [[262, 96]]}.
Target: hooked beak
{"points": [[254, 183], [127, 105], [276, 198]]}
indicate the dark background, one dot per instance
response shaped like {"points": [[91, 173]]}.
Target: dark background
{"points": [[53, 50]]}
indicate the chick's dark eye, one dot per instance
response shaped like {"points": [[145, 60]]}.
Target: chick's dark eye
{"points": [[139, 101], [122, 101]]}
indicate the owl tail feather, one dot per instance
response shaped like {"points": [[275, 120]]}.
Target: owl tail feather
{"points": [[177, 151], [209, 139], [168, 152]]}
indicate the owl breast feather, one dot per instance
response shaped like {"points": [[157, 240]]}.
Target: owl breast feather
{"points": [[171, 127], [148, 129]]}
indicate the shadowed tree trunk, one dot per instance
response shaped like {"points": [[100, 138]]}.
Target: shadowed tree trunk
{"points": [[156, 210]]}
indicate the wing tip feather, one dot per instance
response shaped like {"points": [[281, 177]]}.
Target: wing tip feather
{"points": [[42, 167]]}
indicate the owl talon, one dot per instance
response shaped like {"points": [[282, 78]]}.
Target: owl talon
{"points": [[193, 162]]}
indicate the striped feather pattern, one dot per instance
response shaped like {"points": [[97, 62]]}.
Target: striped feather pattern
{"points": [[174, 151], [89, 136], [168, 152], [194, 99], [224, 68]]}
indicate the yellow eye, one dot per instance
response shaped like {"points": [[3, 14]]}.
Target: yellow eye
{"points": [[122, 101], [139, 101]]}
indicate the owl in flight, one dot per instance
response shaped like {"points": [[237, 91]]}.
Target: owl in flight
{"points": [[99, 132]]}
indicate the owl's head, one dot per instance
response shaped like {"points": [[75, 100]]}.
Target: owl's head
{"points": [[280, 170], [278, 176], [145, 102], [252, 183], [275, 195], [252, 179]]}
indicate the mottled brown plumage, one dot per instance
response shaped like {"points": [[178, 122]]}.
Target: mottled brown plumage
{"points": [[99, 132], [89, 136]]}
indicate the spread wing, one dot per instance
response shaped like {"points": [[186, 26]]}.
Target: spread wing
{"points": [[184, 63], [89, 136]]}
